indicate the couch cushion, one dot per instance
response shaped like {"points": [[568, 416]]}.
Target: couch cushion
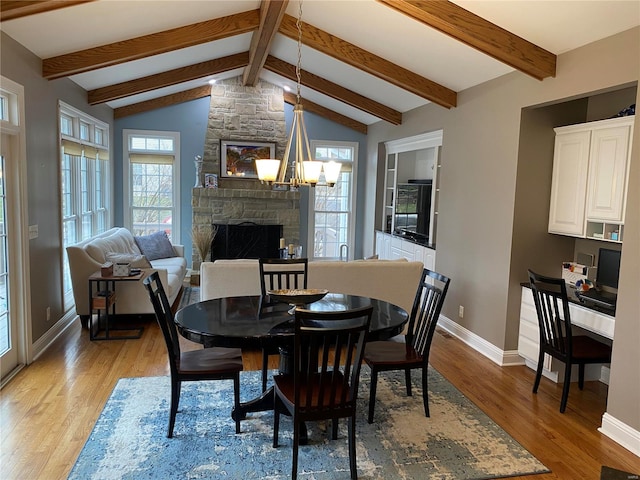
{"points": [[117, 243], [156, 245], [173, 266]]}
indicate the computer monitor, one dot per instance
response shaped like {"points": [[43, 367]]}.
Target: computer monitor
{"points": [[608, 268]]}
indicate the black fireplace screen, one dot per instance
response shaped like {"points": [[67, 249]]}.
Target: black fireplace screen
{"points": [[246, 240]]}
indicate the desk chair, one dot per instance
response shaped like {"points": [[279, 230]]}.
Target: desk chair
{"points": [[556, 339], [205, 364], [278, 274], [388, 355], [328, 349]]}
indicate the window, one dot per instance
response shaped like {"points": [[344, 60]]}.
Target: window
{"points": [[84, 169], [331, 219], [151, 182]]}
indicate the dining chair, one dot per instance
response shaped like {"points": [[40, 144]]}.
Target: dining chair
{"points": [[556, 336], [278, 274], [204, 364], [328, 349], [413, 353]]}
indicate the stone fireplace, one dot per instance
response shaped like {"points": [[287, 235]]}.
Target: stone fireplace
{"points": [[255, 113]]}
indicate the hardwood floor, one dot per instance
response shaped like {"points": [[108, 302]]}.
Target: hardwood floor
{"points": [[48, 410]]}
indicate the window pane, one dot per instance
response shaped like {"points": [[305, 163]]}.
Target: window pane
{"points": [[66, 125], [84, 131]]}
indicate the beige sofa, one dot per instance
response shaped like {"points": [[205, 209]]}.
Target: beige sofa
{"points": [[87, 257], [394, 281]]}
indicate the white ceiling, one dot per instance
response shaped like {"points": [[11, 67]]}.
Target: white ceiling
{"points": [[557, 26]]}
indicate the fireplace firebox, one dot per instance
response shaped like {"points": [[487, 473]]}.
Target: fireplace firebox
{"points": [[246, 240]]}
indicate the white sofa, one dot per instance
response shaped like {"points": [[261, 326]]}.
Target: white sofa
{"points": [[87, 257], [394, 281]]}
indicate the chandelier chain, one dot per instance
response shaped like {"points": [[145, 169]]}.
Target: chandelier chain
{"points": [[299, 26]]}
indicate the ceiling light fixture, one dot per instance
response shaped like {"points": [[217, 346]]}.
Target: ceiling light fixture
{"points": [[304, 170]]}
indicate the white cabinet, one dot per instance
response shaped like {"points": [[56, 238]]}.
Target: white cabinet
{"points": [[391, 247], [590, 176], [569, 183]]}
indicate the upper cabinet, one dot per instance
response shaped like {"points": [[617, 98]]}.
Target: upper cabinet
{"points": [[590, 176]]}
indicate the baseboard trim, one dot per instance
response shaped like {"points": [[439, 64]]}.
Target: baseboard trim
{"points": [[504, 358], [60, 327], [620, 433]]}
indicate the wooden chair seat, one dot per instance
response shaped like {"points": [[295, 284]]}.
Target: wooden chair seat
{"points": [[392, 354]]}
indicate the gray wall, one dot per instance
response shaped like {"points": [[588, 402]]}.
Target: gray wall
{"points": [[43, 170], [484, 166]]}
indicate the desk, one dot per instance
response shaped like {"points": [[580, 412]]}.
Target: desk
{"points": [[234, 322], [102, 298]]}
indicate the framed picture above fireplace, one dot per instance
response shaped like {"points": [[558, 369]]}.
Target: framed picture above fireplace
{"points": [[237, 157]]}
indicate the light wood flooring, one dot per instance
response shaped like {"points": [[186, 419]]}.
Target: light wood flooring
{"points": [[48, 410]]}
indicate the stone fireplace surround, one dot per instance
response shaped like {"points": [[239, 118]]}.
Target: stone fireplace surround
{"points": [[255, 113]]}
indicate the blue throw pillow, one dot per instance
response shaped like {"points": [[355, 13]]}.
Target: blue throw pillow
{"points": [[156, 245]]}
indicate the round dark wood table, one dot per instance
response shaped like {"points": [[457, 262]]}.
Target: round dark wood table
{"points": [[236, 322]]}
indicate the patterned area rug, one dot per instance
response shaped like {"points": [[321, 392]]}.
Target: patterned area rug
{"points": [[457, 442]]}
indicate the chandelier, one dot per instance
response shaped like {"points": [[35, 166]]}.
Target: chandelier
{"points": [[304, 170]]}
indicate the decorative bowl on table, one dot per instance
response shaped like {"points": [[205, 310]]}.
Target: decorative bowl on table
{"points": [[298, 296]]}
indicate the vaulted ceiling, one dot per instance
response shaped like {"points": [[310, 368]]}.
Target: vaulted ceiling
{"points": [[362, 61]]}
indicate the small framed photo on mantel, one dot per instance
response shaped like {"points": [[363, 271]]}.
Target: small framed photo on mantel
{"points": [[237, 157], [210, 180]]}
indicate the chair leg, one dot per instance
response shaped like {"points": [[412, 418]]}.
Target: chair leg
{"points": [[296, 443], [334, 429], [425, 391], [536, 384], [407, 380], [175, 399], [265, 368], [372, 394], [351, 427], [565, 387], [236, 399], [276, 422], [581, 376]]}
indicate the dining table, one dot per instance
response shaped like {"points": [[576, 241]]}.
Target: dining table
{"points": [[239, 322]]}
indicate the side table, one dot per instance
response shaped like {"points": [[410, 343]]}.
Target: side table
{"points": [[102, 301]]}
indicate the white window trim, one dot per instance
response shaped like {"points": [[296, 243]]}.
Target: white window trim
{"points": [[126, 183], [352, 200], [15, 128]]}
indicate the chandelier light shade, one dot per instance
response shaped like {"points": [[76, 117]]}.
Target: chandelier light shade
{"points": [[304, 170]]}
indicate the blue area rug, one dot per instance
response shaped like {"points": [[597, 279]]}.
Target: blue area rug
{"points": [[457, 442]]}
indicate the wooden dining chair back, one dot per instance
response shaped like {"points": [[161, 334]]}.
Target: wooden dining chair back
{"points": [[278, 274], [390, 355], [556, 335], [328, 349], [203, 364]]}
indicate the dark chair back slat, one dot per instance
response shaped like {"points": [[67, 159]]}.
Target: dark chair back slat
{"points": [[281, 273], [554, 319], [328, 350], [427, 306], [164, 316]]}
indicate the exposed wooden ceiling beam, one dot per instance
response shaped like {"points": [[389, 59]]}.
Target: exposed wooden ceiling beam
{"points": [[166, 79], [10, 10], [336, 117], [271, 13], [480, 34], [333, 90], [148, 45], [369, 62], [161, 102]]}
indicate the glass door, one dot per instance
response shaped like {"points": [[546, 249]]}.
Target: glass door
{"points": [[8, 327]]}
